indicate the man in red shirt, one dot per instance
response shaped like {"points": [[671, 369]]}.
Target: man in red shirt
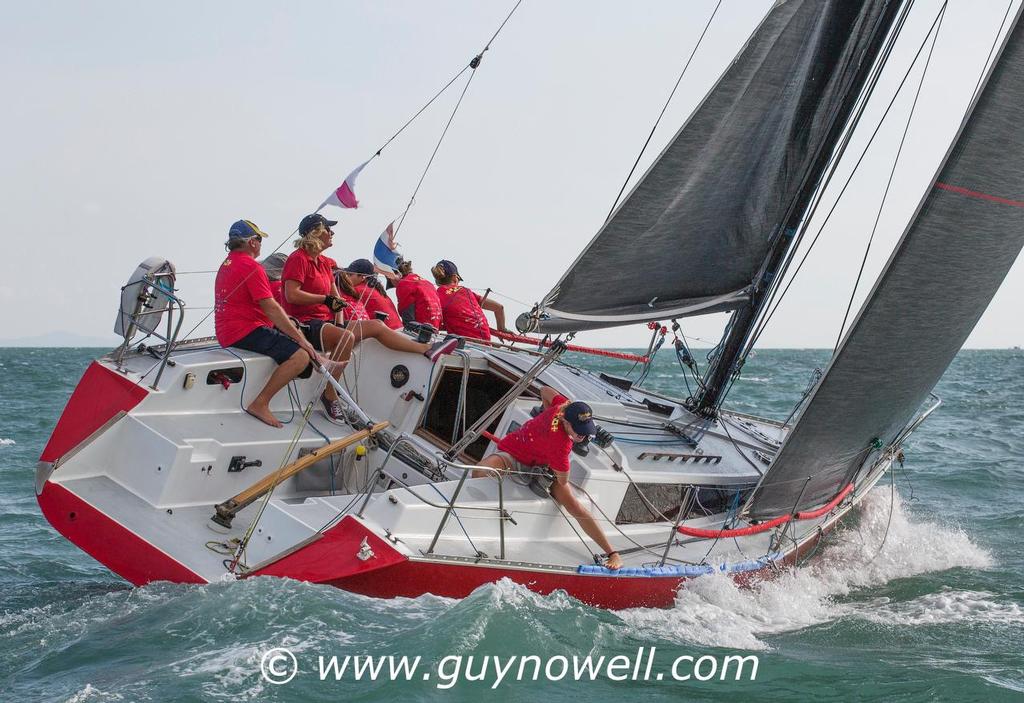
{"points": [[462, 310], [417, 297], [245, 316], [546, 440]]}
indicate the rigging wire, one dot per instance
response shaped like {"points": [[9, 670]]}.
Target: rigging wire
{"points": [[473, 65], [662, 113], [888, 184]]}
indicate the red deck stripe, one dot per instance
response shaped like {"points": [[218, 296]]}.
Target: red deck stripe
{"points": [[980, 196]]}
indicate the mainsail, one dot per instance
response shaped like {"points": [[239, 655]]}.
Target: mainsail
{"points": [[949, 263], [692, 235]]}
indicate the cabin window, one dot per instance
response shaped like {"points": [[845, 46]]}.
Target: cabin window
{"points": [[484, 388], [661, 502]]}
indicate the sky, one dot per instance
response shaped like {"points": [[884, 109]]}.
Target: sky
{"points": [[134, 129]]}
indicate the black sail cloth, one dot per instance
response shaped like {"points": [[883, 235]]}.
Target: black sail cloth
{"points": [[692, 235], [949, 263]]}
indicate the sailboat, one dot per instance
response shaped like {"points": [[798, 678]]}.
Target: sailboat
{"points": [[155, 470]]}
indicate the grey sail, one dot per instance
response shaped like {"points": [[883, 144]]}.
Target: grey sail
{"points": [[949, 263], [692, 234]]}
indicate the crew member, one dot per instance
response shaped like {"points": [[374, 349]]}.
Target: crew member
{"points": [[372, 294], [311, 299], [245, 316], [462, 310], [546, 440], [417, 298], [357, 320]]}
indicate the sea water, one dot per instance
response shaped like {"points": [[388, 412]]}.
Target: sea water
{"points": [[919, 597]]}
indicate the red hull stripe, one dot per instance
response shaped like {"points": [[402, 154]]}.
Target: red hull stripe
{"points": [[977, 195], [99, 396], [126, 554]]}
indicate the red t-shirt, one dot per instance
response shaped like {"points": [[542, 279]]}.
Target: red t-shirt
{"points": [[417, 300], [355, 309], [314, 276], [277, 288], [541, 441], [374, 301], [460, 308], [241, 283]]}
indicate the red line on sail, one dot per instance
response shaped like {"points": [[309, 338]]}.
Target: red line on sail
{"points": [[975, 194]]}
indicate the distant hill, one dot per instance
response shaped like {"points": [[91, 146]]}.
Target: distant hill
{"points": [[61, 339]]}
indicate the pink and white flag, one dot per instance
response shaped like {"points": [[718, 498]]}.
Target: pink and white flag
{"points": [[344, 196]]}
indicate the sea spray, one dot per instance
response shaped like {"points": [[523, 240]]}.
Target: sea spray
{"points": [[713, 610]]}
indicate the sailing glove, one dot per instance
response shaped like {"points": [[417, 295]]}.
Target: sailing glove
{"points": [[335, 304]]}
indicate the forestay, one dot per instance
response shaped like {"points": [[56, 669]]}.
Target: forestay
{"points": [[949, 263], [693, 233]]}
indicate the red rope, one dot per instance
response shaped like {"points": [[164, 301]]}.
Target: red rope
{"points": [[765, 526], [509, 337]]}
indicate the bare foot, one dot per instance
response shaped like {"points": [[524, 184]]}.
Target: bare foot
{"points": [[614, 561], [263, 414]]}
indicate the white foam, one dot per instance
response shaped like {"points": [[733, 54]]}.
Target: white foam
{"points": [[91, 693], [7, 442], [946, 606], [714, 611]]}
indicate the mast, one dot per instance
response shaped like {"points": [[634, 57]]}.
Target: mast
{"points": [[730, 357]]}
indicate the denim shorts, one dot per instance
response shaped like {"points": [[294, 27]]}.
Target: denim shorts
{"points": [[270, 342]]}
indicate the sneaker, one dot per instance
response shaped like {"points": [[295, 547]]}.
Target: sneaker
{"points": [[334, 409], [439, 349]]}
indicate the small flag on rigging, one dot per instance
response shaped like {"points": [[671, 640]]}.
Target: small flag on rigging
{"points": [[385, 251], [344, 196]]}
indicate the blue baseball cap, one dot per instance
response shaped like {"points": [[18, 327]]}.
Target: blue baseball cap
{"points": [[244, 229], [311, 222], [360, 266], [581, 418], [448, 267]]}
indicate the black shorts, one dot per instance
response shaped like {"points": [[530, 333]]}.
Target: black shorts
{"points": [[270, 342], [313, 331]]}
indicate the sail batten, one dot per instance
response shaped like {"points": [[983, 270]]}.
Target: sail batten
{"points": [[697, 226], [951, 259]]}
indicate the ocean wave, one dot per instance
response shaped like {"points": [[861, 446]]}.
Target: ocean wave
{"points": [[944, 607], [7, 442], [714, 611]]}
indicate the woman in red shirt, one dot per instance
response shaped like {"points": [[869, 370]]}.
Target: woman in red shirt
{"points": [[313, 298], [372, 294], [462, 310], [546, 440]]}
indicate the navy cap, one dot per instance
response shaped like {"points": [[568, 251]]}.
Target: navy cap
{"points": [[448, 267], [244, 229], [311, 222], [360, 266], [581, 417]]}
